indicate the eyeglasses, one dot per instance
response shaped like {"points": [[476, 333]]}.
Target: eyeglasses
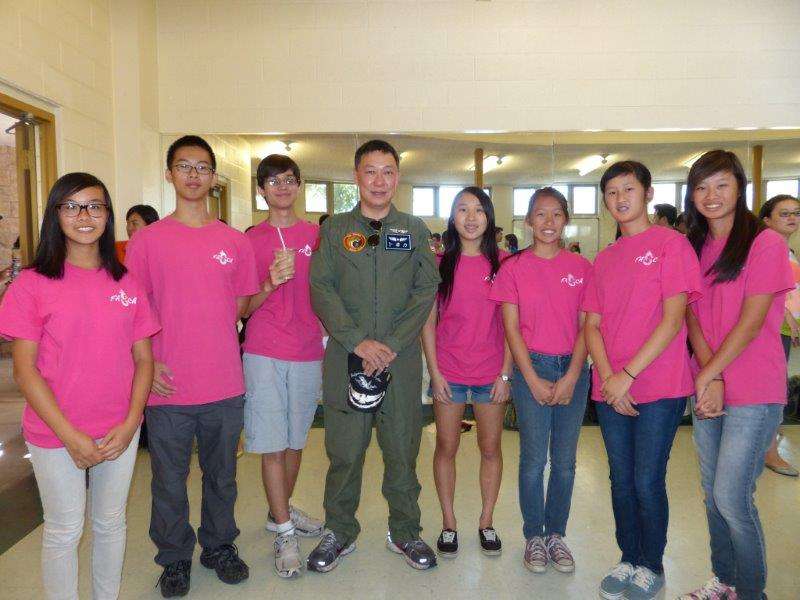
{"points": [[375, 239], [789, 213], [73, 209], [277, 181], [201, 169]]}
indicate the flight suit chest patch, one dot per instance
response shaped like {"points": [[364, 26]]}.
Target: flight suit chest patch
{"points": [[397, 242]]}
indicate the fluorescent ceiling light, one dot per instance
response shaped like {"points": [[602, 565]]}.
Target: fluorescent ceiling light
{"points": [[590, 163], [782, 127], [490, 163], [746, 128], [692, 159]]}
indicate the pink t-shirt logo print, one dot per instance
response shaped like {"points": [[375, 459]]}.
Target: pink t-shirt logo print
{"points": [[648, 258], [306, 250], [123, 298], [571, 280], [222, 257]]}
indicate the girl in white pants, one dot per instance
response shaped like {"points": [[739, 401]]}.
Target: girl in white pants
{"points": [[82, 358]]}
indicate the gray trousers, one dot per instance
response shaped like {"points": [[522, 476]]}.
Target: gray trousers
{"points": [[171, 431]]}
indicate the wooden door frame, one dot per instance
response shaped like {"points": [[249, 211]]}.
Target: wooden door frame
{"points": [[46, 121]]}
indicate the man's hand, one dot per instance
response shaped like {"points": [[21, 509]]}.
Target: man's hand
{"points": [[162, 380], [378, 355]]}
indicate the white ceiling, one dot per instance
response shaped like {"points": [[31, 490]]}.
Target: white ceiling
{"points": [[532, 157]]}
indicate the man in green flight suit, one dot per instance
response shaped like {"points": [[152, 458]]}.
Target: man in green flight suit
{"points": [[373, 282]]}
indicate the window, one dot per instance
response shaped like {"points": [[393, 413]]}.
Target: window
{"points": [[522, 197], [663, 193], [423, 200], [316, 197], [260, 203], [781, 186], [345, 197], [447, 194], [748, 194], [584, 200]]}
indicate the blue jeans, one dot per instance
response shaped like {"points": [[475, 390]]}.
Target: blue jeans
{"points": [[638, 450], [540, 428], [731, 451]]}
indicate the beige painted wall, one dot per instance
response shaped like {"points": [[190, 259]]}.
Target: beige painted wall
{"points": [[424, 65], [60, 52]]}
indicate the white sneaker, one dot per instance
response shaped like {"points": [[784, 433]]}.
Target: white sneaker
{"points": [[287, 555], [304, 524], [616, 583]]}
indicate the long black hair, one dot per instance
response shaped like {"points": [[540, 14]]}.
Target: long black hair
{"points": [[745, 224], [52, 249], [452, 242]]}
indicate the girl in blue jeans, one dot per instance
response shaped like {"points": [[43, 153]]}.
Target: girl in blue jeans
{"points": [[541, 289], [740, 387]]}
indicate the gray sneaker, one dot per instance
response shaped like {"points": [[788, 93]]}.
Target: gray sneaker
{"points": [[304, 524], [416, 553], [287, 555], [645, 585], [616, 583], [559, 554], [325, 557]]}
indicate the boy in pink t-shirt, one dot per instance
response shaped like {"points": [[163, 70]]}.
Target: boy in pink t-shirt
{"points": [[199, 273], [740, 385], [82, 358], [282, 356], [541, 290], [468, 361], [636, 334]]}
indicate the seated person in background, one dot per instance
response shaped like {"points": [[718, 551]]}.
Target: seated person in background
{"points": [[138, 216]]}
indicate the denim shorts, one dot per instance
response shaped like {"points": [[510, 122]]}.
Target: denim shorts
{"points": [[462, 393]]}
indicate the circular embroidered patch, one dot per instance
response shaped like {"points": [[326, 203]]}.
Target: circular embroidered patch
{"points": [[354, 242]]}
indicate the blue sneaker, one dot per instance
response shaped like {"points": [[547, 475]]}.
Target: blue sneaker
{"points": [[645, 585], [615, 584]]}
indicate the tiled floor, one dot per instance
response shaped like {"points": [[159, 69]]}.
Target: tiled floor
{"points": [[373, 572]]}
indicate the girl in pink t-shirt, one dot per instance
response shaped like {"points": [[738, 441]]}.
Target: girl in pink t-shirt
{"points": [[541, 290], [468, 360], [782, 214], [636, 335], [740, 388], [82, 359]]}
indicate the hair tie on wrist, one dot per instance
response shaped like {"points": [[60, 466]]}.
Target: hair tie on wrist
{"points": [[629, 373]]}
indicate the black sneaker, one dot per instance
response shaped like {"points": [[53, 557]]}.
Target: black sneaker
{"points": [[174, 580], [447, 544], [226, 562], [490, 543], [416, 553], [325, 557]]}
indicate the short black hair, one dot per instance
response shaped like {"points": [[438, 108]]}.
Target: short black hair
{"points": [[376, 146], [190, 141], [322, 218], [498, 228], [668, 211], [148, 213], [273, 165], [627, 167]]}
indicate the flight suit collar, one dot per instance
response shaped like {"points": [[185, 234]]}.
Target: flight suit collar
{"points": [[389, 219]]}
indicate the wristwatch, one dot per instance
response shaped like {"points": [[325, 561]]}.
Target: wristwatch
{"points": [[505, 377]]}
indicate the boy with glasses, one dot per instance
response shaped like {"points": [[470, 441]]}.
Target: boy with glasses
{"points": [[282, 357], [373, 282], [199, 274]]}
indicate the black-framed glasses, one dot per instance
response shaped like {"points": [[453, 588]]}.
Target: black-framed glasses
{"points": [[71, 209], [784, 214], [375, 239], [202, 170]]}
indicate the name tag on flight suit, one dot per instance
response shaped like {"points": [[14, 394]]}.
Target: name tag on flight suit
{"points": [[398, 242]]}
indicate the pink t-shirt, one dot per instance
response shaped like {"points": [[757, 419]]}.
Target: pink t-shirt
{"points": [[549, 294], [194, 276], [469, 330], [85, 324], [630, 282], [285, 327], [758, 374]]}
